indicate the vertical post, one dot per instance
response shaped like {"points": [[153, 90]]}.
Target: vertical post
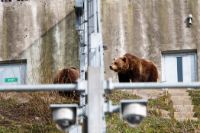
{"points": [[96, 119], [86, 33], [82, 28], [95, 101], [95, 13], [83, 50]]}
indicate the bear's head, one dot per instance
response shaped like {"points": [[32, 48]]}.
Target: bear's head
{"points": [[120, 64]]}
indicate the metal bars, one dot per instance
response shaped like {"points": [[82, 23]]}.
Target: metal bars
{"points": [[152, 85], [46, 87], [108, 85]]}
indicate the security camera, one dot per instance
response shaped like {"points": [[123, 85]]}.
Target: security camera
{"points": [[79, 8], [133, 111], [189, 20], [64, 115]]}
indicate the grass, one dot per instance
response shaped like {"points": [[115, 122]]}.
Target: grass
{"points": [[161, 103], [154, 122], [116, 96], [31, 117], [150, 124], [195, 95], [35, 115]]}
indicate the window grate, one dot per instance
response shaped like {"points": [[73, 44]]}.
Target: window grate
{"points": [[12, 0], [6, 0], [22, 0]]}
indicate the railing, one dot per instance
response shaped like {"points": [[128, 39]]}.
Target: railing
{"points": [[45, 87], [152, 85], [108, 85]]}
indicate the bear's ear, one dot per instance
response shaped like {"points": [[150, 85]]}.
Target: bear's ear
{"points": [[124, 59]]}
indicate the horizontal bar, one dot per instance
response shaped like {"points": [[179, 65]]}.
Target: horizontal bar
{"points": [[71, 87], [56, 106], [44, 87], [154, 85]]}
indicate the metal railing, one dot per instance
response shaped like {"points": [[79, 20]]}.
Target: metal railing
{"points": [[108, 85], [152, 85], [31, 88]]}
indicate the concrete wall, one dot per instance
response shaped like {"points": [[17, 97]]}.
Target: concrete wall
{"points": [[148, 27], [41, 31]]}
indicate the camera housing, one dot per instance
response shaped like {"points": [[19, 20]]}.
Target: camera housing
{"points": [[79, 7], [64, 115], [133, 111], [189, 20]]}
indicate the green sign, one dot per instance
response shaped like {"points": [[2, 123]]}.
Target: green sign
{"points": [[10, 80]]}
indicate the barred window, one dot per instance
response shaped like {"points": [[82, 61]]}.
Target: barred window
{"points": [[11, 0], [6, 0], [22, 0]]}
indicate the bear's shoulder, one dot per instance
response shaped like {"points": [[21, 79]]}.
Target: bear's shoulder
{"points": [[66, 75]]}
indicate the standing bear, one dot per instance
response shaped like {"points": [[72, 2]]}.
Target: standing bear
{"points": [[131, 68], [67, 75]]}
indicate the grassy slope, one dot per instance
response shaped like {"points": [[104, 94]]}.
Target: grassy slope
{"points": [[35, 116], [195, 94], [154, 123]]}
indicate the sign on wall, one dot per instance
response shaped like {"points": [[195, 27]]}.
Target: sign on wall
{"points": [[13, 72]]}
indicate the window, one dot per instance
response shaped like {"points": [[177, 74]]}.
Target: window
{"points": [[22, 0], [13, 72], [179, 66], [6, 0], [12, 0]]}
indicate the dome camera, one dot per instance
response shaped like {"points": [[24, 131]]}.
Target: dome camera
{"points": [[64, 115], [133, 111]]}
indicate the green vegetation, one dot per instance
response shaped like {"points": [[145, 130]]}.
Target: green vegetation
{"points": [[116, 96], [154, 122], [161, 103], [31, 117], [35, 117], [151, 124], [195, 94]]}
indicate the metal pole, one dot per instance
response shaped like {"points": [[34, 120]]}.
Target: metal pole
{"points": [[46, 87], [153, 85], [95, 101], [96, 122], [83, 42], [96, 119]]}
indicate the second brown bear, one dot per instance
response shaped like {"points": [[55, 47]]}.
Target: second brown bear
{"points": [[131, 68], [67, 75]]}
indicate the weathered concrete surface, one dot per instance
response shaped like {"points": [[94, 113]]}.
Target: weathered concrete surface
{"points": [[41, 31], [148, 27]]}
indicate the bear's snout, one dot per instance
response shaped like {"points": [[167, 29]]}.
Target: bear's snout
{"points": [[111, 67]]}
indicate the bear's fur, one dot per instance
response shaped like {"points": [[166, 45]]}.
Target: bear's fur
{"points": [[131, 68], [67, 75]]}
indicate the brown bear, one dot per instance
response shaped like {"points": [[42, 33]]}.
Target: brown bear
{"points": [[67, 75], [131, 68]]}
